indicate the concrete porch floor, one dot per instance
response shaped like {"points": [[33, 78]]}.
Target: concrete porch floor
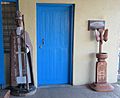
{"points": [[73, 92]]}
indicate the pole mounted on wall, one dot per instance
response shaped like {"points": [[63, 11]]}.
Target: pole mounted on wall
{"points": [[100, 84]]}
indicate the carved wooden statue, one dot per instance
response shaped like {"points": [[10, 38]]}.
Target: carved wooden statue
{"points": [[22, 82], [101, 84]]}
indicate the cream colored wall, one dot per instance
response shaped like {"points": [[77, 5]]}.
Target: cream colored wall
{"points": [[85, 45], [28, 7]]}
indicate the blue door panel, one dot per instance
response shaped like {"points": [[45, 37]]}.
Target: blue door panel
{"points": [[2, 74], [53, 42]]}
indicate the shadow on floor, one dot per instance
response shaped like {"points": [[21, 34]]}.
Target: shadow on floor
{"points": [[73, 92]]}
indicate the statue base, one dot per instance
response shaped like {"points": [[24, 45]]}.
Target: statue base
{"points": [[102, 87], [100, 84], [17, 91]]}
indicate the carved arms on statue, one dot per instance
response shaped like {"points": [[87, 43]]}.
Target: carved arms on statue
{"points": [[101, 35]]}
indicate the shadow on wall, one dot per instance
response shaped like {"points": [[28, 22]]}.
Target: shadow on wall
{"points": [[92, 36], [92, 67], [92, 56]]}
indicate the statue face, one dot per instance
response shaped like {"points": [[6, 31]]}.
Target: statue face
{"points": [[18, 22]]}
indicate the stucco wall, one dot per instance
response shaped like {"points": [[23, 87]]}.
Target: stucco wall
{"points": [[28, 8], [85, 45]]}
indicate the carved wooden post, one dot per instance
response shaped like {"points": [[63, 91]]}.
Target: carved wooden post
{"points": [[100, 83]]}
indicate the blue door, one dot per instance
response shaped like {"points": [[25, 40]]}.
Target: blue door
{"points": [[2, 74], [54, 43]]}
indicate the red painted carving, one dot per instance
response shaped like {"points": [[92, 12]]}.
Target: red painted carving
{"points": [[101, 84]]}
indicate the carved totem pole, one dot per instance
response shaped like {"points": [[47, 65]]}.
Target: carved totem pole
{"points": [[101, 84]]}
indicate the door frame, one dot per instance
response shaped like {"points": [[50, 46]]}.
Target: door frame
{"points": [[72, 8], [2, 80], [16, 1]]}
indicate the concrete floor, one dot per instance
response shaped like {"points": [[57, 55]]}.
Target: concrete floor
{"points": [[73, 92]]}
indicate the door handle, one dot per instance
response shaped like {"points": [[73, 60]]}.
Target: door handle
{"points": [[43, 42]]}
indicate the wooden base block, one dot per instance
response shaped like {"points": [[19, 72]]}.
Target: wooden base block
{"points": [[103, 87], [4, 93]]}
